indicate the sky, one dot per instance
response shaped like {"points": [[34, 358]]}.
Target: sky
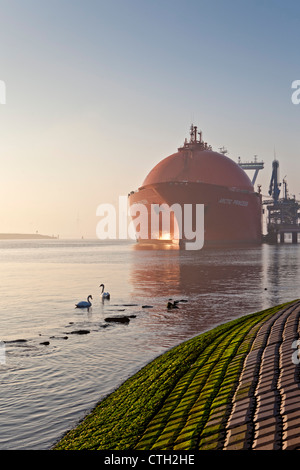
{"points": [[98, 92]]}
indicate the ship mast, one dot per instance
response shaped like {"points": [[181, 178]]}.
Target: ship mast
{"points": [[194, 141]]}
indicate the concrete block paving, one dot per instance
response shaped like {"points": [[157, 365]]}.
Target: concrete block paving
{"points": [[270, 419]]}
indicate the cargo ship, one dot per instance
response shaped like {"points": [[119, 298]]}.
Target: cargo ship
{"points": [[196, 174]]}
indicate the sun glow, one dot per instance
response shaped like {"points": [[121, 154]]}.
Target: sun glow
{"points": [[165, 236]]}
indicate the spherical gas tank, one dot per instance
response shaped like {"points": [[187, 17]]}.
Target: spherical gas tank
{"points": [[197, 165]]}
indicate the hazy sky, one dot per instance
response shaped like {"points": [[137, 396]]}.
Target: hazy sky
{"points": [[99, 91]]}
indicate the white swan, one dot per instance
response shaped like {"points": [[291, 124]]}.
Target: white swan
{"points": [[85, 304], [104, 295]]}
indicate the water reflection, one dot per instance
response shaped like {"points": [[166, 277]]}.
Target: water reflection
{"points": [[220, 284], [41, 384], [281, 272]]}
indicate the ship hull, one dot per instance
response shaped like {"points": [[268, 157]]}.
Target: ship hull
{"points": [[231, 215]]}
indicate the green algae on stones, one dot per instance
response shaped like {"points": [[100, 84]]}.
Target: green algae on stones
{"points": [[180, 400]]}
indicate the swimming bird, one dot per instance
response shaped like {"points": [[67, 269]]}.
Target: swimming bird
{"points": [[104, 295], [172, 304], [85, 304]]}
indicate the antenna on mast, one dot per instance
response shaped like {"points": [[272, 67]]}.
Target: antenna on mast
{"points": [[195, 141]]}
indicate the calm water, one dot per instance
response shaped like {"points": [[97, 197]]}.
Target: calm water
{"points": [[46, 390]]}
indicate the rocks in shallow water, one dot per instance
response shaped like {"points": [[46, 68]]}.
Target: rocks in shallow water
{"points": [[17, 341], [119, 319], [80, 332], [116, 310], [58, 337], [124, 305]]}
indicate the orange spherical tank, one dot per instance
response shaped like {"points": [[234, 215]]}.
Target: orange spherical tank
{"points": [[195, 166], [197, 175]]}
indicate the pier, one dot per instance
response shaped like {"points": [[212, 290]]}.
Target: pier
{"points": [[293, 231]]}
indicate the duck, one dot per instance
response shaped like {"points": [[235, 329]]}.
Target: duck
{"points": [[172, 304], [85, 304], [104, 295]]}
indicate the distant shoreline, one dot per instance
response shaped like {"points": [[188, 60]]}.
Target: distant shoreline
{"points": [[24, 236]]}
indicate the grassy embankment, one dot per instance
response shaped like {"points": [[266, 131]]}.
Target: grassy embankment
{"points": [[179, 401]]}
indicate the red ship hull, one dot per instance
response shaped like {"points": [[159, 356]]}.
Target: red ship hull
{"points": [[231, 216]]}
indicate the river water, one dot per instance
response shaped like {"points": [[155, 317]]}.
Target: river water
{"points": [[47, 389]]}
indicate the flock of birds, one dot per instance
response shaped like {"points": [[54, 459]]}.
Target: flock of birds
{"points": [[87, 303], [106, 295]]}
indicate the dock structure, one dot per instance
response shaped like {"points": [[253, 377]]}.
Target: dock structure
{"points": [[283, 218], [253, 165], [283, 214]]}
